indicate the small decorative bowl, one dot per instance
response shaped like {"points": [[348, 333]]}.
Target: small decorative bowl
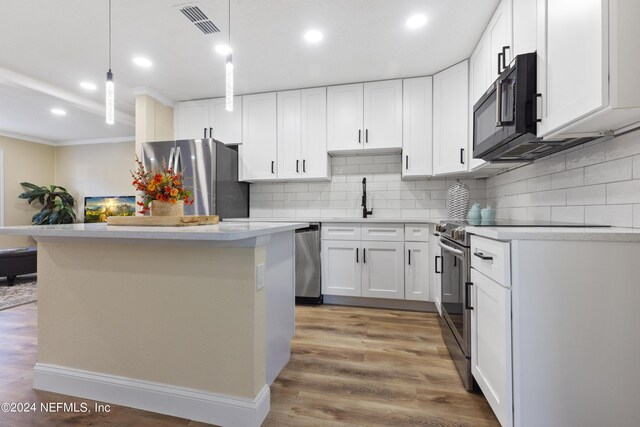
{"points": [[488, 214]]}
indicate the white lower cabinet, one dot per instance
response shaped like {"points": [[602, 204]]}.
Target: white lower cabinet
{"points": [[435, 269], [341, 268], [416, 271], [491, 344], [383, 270]]}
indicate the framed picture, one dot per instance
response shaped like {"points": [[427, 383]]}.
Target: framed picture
{"points": [[98, 209]]}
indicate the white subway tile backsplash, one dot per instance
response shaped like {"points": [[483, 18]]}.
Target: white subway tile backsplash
{"points": [[374, 168], [587, 195], [573, 214], [616, 170], [359, 160], [597, 183], [614, 215], [566, 179], [624, 192]]}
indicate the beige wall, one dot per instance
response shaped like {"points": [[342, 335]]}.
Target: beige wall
{"points": [[23, 161], [95, 170], [154, 121]]}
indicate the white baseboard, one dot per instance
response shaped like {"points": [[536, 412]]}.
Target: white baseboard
{"points": [[155, 397]]}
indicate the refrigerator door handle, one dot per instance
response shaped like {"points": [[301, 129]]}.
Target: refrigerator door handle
{"points": [[172, 155], [177, 161]]}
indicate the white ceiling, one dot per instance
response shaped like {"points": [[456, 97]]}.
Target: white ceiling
{"points": [[62, 42]]}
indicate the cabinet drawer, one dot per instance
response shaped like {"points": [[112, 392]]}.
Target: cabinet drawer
{"points": [[492, 258], [383, 232], [341, 231], [416, 232]]}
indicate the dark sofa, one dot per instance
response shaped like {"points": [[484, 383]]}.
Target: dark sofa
{"points": [[16, 262]]}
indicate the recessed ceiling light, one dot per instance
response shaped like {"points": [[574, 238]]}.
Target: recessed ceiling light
{"points": [[416, 21], [313, 36], [142, 62], [88, 86], [223, 49], [58, 112]]}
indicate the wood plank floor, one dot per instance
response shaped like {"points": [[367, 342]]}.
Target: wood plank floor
{"points": [[349, 367]]}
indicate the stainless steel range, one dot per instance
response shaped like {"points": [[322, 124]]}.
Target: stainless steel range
{"points": [[455, 296], [456, 277]]}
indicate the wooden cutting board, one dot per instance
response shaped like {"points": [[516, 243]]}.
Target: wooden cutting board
{"points": [[164, 221]]}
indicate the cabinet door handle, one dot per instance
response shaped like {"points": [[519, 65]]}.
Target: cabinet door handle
{"points": [[297, 166], [357, 255], [462, 156], [504, 56], [409, 251], [483, 256], [211, 133], [366, 136], [538, 118], [304, 165], [359, 136], [467, 295], [364, 255], [406, 162], [273, 164], [436, 265], [205, 133]]}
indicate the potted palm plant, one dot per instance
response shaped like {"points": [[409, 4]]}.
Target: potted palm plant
{"points": [[57, 204]]}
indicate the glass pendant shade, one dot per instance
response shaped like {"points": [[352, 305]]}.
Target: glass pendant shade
{"points": [[110, 99]]}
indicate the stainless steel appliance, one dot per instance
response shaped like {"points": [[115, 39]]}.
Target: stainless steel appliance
{"points": [[456, 280], [308, 280], [210, 168], [455, 242], [505, 118]]}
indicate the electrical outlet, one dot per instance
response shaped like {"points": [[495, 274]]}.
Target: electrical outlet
{"points": [[260, 277]]}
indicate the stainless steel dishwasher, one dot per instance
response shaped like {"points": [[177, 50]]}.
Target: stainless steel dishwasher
{"points": [[308, 280]]}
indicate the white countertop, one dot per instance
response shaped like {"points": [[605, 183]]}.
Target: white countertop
{"points": [[345, 220], [220, 232], [606, 234]]}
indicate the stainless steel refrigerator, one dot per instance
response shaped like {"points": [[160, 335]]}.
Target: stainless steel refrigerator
{"points": [[210, 170]]}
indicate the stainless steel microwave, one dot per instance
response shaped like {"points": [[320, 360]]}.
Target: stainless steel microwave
{"points": [[505, 118]]}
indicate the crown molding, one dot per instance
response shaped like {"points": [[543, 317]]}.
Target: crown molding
{"points": [[96, 141], [27, 138], [19, 80], [154, 94]]}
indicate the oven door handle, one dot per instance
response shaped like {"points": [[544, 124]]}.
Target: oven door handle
{"points": [[450, 249]]}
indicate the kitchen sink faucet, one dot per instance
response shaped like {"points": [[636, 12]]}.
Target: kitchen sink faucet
{"points": [[365, 212]]}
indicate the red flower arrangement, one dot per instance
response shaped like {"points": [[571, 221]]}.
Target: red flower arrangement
{"points": [[163, 185]]}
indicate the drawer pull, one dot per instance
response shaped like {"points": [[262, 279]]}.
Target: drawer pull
{"points": [[483, 256]]}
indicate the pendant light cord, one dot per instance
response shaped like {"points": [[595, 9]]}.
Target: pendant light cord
{"points": [[109, 34], [229, 23]]}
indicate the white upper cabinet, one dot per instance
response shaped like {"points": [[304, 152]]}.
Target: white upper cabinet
{"points": [[450, 119], [572, 67], [417, 125], [383, 115], [479, 81], [365, 116], [227, 125], [258, 152], [289, 134], [345, 117], [316, 163], [524, 26], [208, 118], [192, 119], [588, 66], [500, 38], [302, 142]]}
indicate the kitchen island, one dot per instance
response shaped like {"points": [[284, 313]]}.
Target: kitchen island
{"points": [[193, 322]]}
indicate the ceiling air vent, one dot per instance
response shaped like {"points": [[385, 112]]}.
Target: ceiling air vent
{"points": [[195, 15]]}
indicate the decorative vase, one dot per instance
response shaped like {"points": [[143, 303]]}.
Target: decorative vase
{"points": [[162, 208], [457, 201]]}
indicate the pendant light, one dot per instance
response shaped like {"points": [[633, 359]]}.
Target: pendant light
{"points": [[109, 88], [229, 71]]}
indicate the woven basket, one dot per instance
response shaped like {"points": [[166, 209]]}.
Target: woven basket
{"points": [[162, 208], [457, 201]]}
